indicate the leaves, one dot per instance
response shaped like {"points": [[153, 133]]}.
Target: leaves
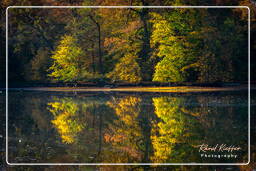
{"points": [[173, 36], [68, 59], [129, 45], [126, 70]]}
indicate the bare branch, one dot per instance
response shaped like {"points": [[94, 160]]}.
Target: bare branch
{"points": [[98, 25]]}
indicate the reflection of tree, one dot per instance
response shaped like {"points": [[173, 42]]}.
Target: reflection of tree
{"points": [[31, 133], [80, 122], [125, 135], [65, 119], [175, 135], [124, 129], [190, 121]]}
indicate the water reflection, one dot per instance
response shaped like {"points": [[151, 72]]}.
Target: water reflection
{"points": [[125, 128], [178, 132], [125, 134], [66, 119]]}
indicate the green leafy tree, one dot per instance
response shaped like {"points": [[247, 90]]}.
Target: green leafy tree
{"points": [[123, 46], [175, 39], [132, 45], [127, 69], [68, 61]]}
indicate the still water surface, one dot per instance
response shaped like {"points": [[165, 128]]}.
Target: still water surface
{"points": [[80, 127]]}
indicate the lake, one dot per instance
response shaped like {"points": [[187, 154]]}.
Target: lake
{"points": [[127, 127]]}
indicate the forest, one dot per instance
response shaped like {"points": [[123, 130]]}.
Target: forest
{"points": [[132, 46], [128, 45]]}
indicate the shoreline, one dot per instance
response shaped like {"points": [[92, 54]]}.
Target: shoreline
{"points": [[175, 89]]}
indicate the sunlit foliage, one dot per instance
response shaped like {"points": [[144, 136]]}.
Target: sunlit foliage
{"points": [[126, 70], [129, 45], [68, 60], [174, 36]]}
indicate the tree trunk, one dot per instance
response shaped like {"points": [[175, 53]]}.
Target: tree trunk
{"points": [[100, 53], [93, 61], [99, 44], [145, 51]]}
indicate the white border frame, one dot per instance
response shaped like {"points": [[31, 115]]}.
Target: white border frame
{"points": [[89, 164]]}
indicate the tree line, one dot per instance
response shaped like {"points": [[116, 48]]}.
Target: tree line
{"points": [[130, 45]]}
